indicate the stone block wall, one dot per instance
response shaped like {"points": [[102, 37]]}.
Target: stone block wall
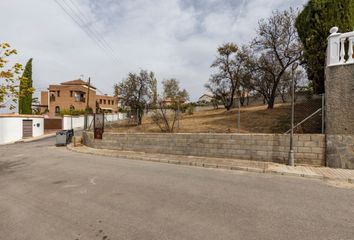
{"points": [[340, 116], [340, 99], [340, 151], [309, 149]]}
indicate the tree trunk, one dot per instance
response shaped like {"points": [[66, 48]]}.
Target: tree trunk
{"points": [[272, 97], [271, 103]]}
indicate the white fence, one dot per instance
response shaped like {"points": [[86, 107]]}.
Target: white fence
{"points": [[337, 54], [78, 122]]}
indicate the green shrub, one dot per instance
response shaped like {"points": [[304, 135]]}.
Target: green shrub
{"points": [[190, 109], [72, 112]]}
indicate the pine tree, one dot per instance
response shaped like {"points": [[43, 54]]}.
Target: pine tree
{"points": [[26, 90], [313, 25]]}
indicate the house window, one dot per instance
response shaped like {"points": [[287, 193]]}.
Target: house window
{"points": [[57, 110], [58, 93], [104, 101], [52, 98], [112, 102], [100, 101], [79, 97], [109, 102], [71, 93]]}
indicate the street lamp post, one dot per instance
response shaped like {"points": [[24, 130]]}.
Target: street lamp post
{"points": [[291, 152]]}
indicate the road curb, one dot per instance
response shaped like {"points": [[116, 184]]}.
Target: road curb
{"points": [[35, 139], [211, 165]]}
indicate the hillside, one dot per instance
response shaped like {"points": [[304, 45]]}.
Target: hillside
{"points": [[255, 119]]}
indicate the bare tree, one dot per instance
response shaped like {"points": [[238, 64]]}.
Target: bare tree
{"points": [[276, 49], [166, 114], [164, 117]]}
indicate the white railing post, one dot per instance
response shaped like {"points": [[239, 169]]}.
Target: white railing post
{"points": [[342, 50], [333, 47], [350, 50]]}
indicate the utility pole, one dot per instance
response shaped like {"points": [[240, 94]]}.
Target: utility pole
{"points": [[88, 93], [87, 102]]}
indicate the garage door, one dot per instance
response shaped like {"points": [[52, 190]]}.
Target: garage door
{"points": [[27, 128]]}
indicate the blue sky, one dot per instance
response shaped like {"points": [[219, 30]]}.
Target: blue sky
{"points": [[173, 38]]}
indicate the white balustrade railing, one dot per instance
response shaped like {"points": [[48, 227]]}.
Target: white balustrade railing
{"points": [[337, 53]]}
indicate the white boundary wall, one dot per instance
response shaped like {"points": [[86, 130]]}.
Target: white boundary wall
{"points": [[78, 122], [11, 127]]}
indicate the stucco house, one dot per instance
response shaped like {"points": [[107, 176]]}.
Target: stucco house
{"points": [[75, 95]]}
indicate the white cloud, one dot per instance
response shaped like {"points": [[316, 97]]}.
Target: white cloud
{"points": [[173, 38]]}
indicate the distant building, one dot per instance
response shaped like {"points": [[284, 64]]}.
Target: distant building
{"points": [[170, 101], [74, 95], [206, 98]]}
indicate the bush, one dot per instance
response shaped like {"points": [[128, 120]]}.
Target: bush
{"points": [[72, 112], [190, 109], [122, 110]]}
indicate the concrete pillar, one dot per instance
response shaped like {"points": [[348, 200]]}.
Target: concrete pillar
{"points": [[339, 87]]}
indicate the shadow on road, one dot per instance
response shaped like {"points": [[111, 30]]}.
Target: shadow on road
{"points": [[11, 166]]}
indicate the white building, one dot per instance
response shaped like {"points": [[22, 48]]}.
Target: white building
{"points": [[14, 127]]}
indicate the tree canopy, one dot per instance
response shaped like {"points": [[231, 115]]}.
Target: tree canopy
{"points": [[313, 25], [25, 100], [261, 67], [137, 92], [9, 76], [225, 83], [172, 90]]}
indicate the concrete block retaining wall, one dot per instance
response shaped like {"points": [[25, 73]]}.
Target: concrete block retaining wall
{"points": [[309, 149], [340, 151]]}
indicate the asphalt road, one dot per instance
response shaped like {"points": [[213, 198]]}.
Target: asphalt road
{"points": [[49, 193]]}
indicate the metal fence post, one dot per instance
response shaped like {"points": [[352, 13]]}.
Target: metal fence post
{"points": [[323, 113], [239, 116]]}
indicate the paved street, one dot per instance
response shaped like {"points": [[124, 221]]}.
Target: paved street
{"points": [[52, 193]]}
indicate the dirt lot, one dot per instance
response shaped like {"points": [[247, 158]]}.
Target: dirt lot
{"points": [[256, 119]]}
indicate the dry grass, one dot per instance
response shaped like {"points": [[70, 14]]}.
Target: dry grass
{"points": [[256, 119]]}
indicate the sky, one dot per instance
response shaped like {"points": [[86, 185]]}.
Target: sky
{"points": [[173, 38]]}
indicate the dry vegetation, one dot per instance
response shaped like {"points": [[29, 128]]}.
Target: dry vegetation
{"points": [[256, 119]]}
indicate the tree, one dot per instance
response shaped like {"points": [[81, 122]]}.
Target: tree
{"points": [[25, 100], [275, 49], [165, 118], [224, 84], [135, 92], [9, 76], [153, 87], [313, 25], [166, 115], [172, 91]]}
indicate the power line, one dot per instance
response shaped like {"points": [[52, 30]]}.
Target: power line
{"points": [[85, 23], [94, 30], [81, 23]]}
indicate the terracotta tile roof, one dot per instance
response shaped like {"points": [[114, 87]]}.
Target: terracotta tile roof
{"points": [[77, 82]]}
